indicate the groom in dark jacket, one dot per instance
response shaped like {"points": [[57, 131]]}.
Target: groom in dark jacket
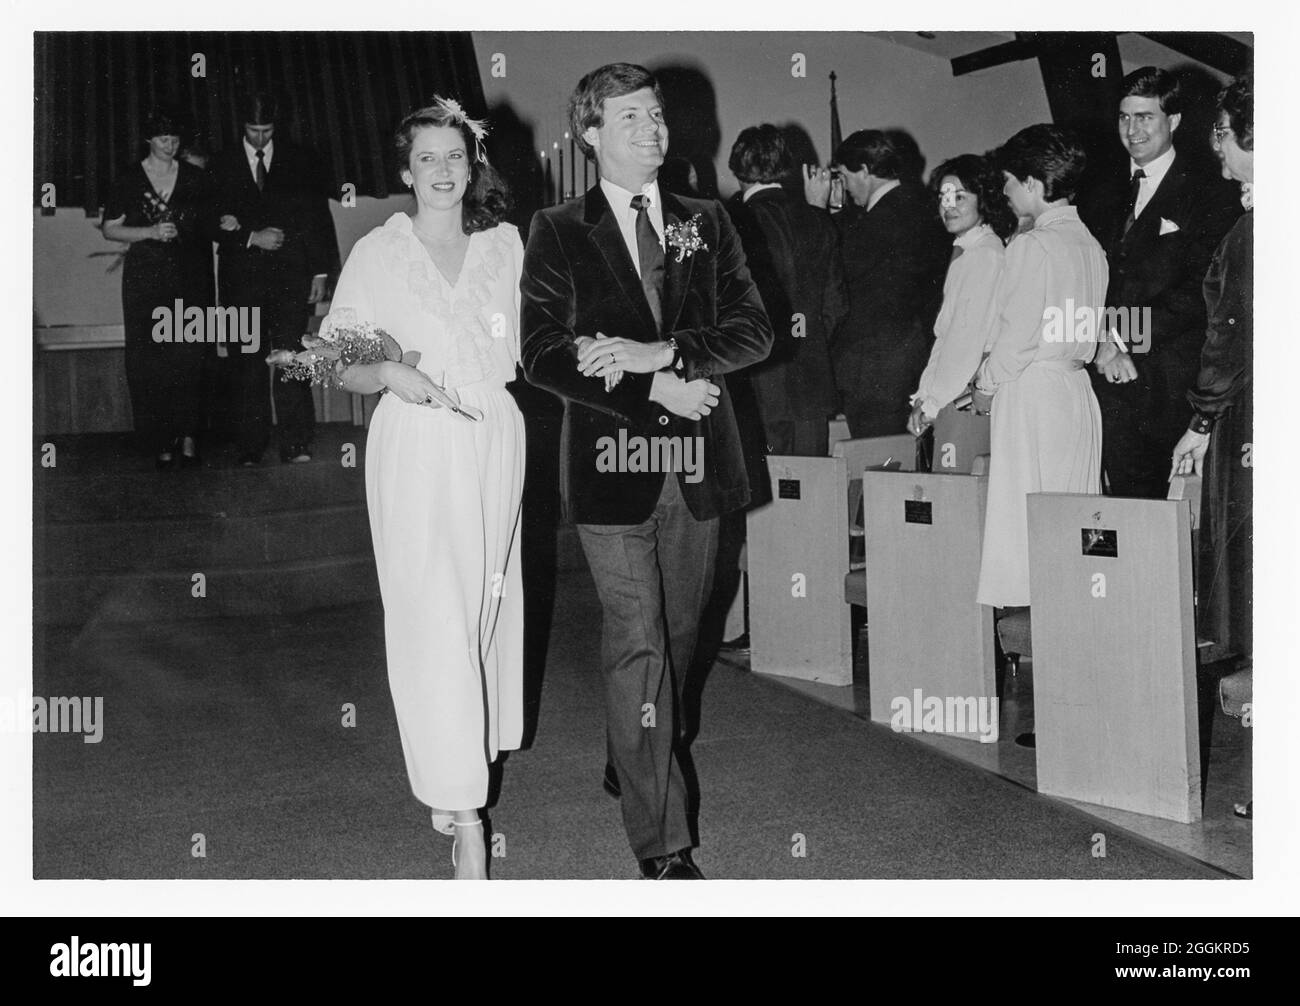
{"points": [[635, 303]]}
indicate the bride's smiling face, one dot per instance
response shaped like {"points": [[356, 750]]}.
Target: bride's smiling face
{"points": [[438, 167]]}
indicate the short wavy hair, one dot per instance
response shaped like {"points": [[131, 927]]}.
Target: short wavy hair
{"points": [[760, 155], [164, 120], [487, 197], [874, 150], [1154, 82], [613, 80], [981, 177], [1052, 154], [1238, 101]]}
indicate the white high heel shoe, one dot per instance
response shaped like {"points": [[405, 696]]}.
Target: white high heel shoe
{"points": [[464, 824]]}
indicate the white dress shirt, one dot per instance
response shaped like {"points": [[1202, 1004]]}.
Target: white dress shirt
{"points": [[620, 201], [1155, 172], [250, 152], [758, 187]]}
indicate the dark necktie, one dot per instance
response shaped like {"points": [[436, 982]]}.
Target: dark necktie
{"points": [[261, 170], [1134, 188], [652, 259]]}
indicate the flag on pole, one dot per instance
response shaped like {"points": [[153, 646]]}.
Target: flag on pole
{"points": [[836, 136]]}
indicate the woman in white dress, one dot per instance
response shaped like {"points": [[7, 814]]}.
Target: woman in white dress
{"points": [[443, 491], [1046, 425], [968, 190]]}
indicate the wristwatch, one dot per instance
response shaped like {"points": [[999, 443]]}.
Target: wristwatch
{"points": [[677, 363]]}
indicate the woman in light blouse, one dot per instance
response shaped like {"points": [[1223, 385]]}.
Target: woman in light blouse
{"points": [[1046, 426], [968, 190]]}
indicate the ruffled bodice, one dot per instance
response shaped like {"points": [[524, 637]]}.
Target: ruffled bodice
{"points": [[466, 332]]}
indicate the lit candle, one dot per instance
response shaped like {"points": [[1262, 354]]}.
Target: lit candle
{"points": [[573, 166], [559, 157], [548, 200]]}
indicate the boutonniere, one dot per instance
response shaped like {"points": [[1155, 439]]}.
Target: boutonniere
{"points": [[685, 237]]}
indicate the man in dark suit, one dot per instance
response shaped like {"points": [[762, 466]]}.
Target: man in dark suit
{"points": [[635, 303], [793, 256], [1159, 224], [895, 254], [277, 251]]}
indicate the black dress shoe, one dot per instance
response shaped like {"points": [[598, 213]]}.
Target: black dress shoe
{"points": [[1026, 740], [675, 866], [164, 461], [250, 459], [610, 782]]}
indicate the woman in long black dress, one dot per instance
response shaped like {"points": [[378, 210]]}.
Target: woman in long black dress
{"points": [[162, 208]]}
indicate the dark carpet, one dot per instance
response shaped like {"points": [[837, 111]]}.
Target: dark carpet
{"points": [[233, 730]]}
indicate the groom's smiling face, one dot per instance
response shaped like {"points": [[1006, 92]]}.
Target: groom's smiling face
{"points": [[631, 144]]}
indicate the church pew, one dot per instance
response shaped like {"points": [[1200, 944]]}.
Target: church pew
{"points": [[930, 642], [797, 557], [959, 438], [1115, 707]]}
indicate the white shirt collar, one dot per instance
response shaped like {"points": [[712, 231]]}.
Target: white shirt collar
{"points": [[972, 236], [881, 192], [251, 153], [758, 187], [1155, 170], [621, 199]]}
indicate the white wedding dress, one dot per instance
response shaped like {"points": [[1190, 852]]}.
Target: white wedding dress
{"points": [[444, 501]]}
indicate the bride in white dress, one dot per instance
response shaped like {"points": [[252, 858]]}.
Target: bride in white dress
{"points": [[444, 492]]}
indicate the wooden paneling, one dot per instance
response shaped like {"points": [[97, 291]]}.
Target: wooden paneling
{"points": [[83, 390], [1114, 654], [80, 391]]}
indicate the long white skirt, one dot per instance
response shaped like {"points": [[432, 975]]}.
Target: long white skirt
{"points": [[444, 500], [1045, 437]]}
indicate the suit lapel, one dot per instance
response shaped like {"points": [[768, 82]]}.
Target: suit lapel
{"points": [[1147, 226], [677, 275], [608, 239]]}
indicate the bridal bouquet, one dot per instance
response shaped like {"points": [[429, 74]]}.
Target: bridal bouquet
{"points": [[327, 356]]}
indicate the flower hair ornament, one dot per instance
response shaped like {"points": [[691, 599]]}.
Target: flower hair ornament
{"points": [[478, 127]]}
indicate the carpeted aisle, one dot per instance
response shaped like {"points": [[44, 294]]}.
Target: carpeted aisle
{"points": [[232, 729]]}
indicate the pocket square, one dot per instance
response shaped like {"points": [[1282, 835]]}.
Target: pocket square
{"points": [[1167, 227]]}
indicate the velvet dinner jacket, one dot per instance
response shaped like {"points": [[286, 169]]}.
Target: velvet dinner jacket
{"points": [[579, 279]]}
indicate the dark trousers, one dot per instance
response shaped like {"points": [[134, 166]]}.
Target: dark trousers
{"points": [[283, 313], [653, 579], [1141, 421], [1135, 459]]}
